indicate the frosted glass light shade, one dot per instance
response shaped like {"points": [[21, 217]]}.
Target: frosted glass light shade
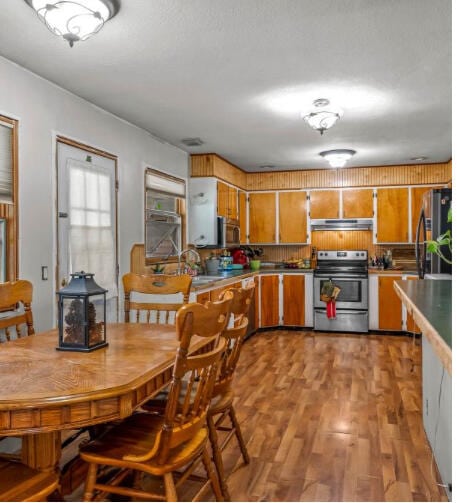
{"points": [[74, 20], [337, 158]]}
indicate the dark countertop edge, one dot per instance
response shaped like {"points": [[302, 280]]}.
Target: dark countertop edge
{"points": [[439, 344]]}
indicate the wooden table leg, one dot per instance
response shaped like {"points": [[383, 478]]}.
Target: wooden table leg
{"points": [[42, 450]]}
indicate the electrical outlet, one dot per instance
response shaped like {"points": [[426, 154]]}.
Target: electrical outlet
{"points": [[426, 406], [44, 272]]}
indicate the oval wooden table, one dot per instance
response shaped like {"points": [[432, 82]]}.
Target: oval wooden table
{"points": [[44, 391]]}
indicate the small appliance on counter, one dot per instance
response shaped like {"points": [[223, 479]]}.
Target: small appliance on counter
{"points": [[239, 257], [226, 261]]}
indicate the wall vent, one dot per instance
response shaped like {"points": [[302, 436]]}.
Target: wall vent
{"points": [[192, 142]]}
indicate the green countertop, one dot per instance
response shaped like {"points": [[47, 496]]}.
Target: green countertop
{"points": [[433, 298]]}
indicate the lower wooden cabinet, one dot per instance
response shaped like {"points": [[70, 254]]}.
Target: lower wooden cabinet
{"points": [[282, 299], [269, 300], [293, 300]]}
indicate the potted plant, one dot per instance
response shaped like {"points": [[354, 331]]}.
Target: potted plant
{"points": [[254, 255], [444, 240]]}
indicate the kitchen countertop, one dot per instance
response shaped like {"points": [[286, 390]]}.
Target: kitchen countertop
{"points": [[430, 302]]}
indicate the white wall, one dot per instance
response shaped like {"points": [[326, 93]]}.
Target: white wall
{"points": [[44, 110]]}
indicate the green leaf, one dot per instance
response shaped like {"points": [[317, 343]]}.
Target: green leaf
{"points": [[449, 214]]}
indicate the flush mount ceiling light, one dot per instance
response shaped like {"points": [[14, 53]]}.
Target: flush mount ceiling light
{"points": [[74, 20], [337, 158], [322, 117]]}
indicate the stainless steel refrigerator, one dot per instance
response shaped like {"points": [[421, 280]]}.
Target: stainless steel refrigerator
{"points": [[432, 223]]}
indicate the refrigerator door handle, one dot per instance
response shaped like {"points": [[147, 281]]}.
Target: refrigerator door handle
{"points": [[421, 257]]}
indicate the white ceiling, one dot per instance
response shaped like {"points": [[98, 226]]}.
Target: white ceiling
{"points": [[238, 73]]}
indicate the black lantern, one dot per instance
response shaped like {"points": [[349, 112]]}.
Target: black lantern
{"points": [[82, 314]]}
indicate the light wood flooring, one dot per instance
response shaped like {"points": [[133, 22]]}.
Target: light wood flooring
{"points": [[330, 418]]}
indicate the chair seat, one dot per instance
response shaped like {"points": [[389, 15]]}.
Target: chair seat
{"points": [[19, 482], [221, 403], [135, 436]]}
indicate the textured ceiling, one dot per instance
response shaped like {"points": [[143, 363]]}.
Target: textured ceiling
{"points": [[238, 73]]}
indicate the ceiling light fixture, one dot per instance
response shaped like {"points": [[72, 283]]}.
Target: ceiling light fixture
{"points": [[337, 158], [74, 20], [421, 158], [322, 118]]}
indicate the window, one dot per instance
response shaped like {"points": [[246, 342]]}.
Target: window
{"points": [[8, 199], [164, 213]]}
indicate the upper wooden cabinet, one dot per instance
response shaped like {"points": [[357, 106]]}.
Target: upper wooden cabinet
{"points": [[227, 201], [324, 204], [357, 203], [292, 217], [242, 216], [417, 194], [262, 217], [392, 215]]}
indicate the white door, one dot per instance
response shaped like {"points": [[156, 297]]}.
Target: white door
{"points": [[87, 220]]}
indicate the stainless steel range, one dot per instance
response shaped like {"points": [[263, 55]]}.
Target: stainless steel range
{"points": [[349, 271]]}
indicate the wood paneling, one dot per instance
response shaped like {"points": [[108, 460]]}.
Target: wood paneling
{"points": [[294, 299], [269, 302], [392, 216], [280, 253], [214, 165], [324, 204], [357, 203], [390, 315], [292, 217], [262, 217], [351, 177], [342, 240]]}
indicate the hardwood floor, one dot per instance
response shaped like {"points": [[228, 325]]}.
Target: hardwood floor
{"points": [[330, 418]]}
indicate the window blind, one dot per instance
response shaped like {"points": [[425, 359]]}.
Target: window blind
{"points": [[6, 163]]}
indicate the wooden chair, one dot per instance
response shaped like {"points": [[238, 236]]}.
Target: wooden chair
{"points": [[159, 445], [18, 482], [159, 284], [222, 402], [16, 317]]}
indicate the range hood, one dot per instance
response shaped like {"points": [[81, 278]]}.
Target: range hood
{"points": [[342, 224]]}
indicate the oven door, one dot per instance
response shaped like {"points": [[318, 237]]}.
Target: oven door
{"points": [[353, 294]]}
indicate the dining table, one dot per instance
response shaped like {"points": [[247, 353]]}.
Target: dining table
{"points": [[44, 391]]}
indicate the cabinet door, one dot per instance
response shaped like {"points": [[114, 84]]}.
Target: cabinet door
{"points": [[242, 215], [390, 307], [410, 323], [292, 217], [216, 292], [416, 205], [392, 215], [232, 210], [324, 204], [222, 200], [269, 301], [262, 217], [357, 203], [294, 299], [203, 297]]}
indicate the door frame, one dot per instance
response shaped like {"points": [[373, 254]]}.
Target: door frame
{"points": [[102, 153]]}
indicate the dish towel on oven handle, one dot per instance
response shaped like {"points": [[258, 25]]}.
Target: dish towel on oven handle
{"points": [[329, 293]]}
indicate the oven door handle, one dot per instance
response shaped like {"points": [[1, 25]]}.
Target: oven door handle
{"points": [[339, 276]]}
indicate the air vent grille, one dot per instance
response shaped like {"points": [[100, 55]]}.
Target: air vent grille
{"points": [[192, 142]]}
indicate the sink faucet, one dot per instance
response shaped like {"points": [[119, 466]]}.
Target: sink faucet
{"points": [[184, 252]]}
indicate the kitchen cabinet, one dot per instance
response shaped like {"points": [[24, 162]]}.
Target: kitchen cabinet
{"points": [[293, 299], [242, 216], [292, 217], [324, 204], [357, 203], [392, 215], [269, 300], [203, 297], [385, 312], [390, 306], [416, 205], [227, 201], [262, 217]]}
